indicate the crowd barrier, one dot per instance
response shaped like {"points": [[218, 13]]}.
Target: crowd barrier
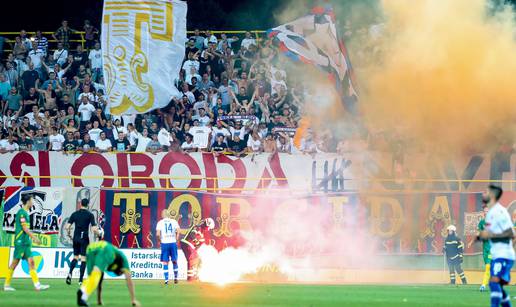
{"points": [[296, 173]]}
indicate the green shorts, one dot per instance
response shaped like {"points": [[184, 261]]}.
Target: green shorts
{"points": [[22, 252]]}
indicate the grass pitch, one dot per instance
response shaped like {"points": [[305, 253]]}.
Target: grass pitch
{"points": [[153, 293]]}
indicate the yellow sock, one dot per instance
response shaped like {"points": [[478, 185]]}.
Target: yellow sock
{"points": [[91, 283], [487, 274], [34, 277], [9, 276]]}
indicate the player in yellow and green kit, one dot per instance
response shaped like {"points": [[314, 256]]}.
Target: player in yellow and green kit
{"points": [[486, 251], [101, 257], [23, 238]]}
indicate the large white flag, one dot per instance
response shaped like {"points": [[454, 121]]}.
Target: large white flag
{"points": [[143, 46]]}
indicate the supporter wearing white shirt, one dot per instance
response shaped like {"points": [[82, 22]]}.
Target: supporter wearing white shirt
{"points": [[143, 141], [117, 128], [86, 109], [32, 115], [132, 135], [60, 55], [186, 91], [238, 129], [210, 38], [248, 41], [255, 143], [219, 129], [164, 137], [95, 131], [55, 140], [95, 57], [9, 144], [201, 135], [204, 120], [35, 55], [90, 96], [191, 63], [188, 145], [103, 144]]}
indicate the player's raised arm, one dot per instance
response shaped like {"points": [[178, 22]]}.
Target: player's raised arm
{"points": [[130, 287]]}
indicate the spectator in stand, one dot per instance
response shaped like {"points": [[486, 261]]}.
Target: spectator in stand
{"points": [[220, 145], [121, 144], [50, 97], [247, 41], [90, 34], [70, 145], [87, 143], [86, 110], [60, 54], [11, 74], [51, 80], [35, 115], [284, 143], [69, 126], [10, 145], [63, 34], [143, 140], [132, 136], [35, 56], [190, 48], [41, 41], [154, 146], [210, 39], [95, 58], [237, 146], [31, 100], [20, 50], [40, 141], [55, 140], [103, 144], [201, 135], [269, 145], [5, 87], [108, 129], [29, 77], [198, 39], [25, 127], [14, 100], [205, 84], [95, 131], [188, 145], [308, 145], [202, 117], [254, 143], [24, 143]]}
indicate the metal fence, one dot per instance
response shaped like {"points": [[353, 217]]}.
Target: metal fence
{"points": [[78, 37]]}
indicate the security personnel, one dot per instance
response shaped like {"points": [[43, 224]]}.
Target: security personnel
{"points": [[191, 241], [454, 250]]}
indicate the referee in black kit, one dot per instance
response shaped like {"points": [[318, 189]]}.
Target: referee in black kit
{"points": [[82, 219]]}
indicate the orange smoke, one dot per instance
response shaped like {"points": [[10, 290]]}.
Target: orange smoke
{"points": [[446, 75]]}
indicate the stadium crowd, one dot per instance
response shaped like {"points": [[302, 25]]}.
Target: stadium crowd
{"points": [[233, 100]]}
